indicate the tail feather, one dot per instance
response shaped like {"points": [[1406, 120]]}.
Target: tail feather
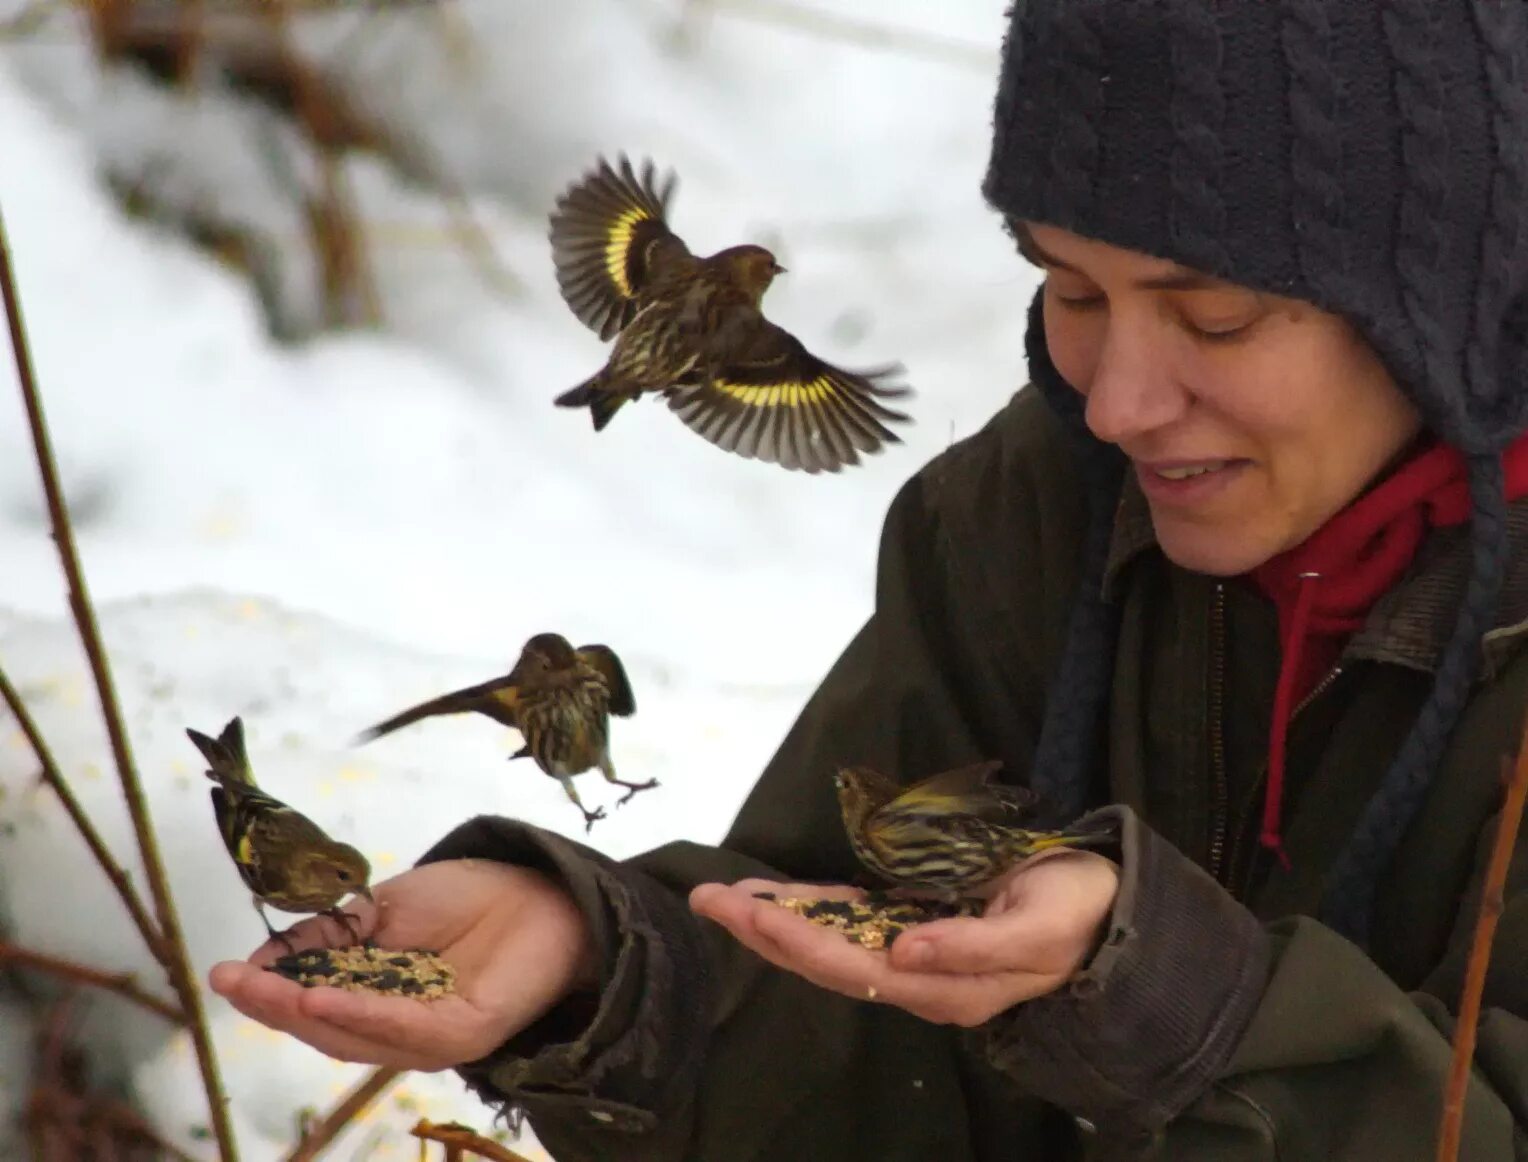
{"points": [[602, 403], [457, 702], [225, 755]]}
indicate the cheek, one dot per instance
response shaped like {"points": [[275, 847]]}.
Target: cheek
{"points": [[1074, 342]]}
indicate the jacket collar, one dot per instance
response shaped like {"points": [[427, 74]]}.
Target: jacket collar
{"points": [[1410, 625]]}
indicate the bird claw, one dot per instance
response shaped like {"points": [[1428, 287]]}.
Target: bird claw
{"points": [[344, 919], [592, 817], [633, 788]]}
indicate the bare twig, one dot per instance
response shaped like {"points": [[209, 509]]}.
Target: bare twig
{"points": [[122, 983], [457, 1137], [55, 779], [318, 1136], [179, 965], [337, 238], [1491, 904]]}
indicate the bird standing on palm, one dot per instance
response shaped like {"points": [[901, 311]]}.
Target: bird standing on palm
{"points": [[284, 858], [691, 329], [949, 833], [559, 699]]}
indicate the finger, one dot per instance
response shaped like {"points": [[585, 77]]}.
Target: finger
{"points": [[968, 1000], [740, 917], [1013, 941], [269, 999], [799, 891], [820, 954], [442, 1032]]}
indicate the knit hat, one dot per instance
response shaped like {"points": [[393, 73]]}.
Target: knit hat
{"points": [[1366, 156]]}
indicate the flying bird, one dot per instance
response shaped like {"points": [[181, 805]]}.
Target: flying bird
{"points": [[692, 330], [284, 858], [949, 833], [559, 699]]}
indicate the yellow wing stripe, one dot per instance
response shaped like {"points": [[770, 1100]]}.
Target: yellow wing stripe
{"points": [[777, 394], [246, 850], [619, 246]]}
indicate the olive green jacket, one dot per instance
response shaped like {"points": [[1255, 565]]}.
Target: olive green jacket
{"points": [[1216, 1023]]}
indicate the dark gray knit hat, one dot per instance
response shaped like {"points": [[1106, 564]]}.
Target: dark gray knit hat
{"points": [[1367, 156]]}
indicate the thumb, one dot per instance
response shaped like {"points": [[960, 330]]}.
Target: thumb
{"points": [[970, 945]]}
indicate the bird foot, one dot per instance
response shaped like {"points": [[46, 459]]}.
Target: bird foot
{"points": [[592, 817], [354, 933], [633, 788]]}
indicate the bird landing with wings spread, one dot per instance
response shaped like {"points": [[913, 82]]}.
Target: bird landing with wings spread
{"points": [[692, 330]]}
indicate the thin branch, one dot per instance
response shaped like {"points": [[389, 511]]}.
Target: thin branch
{"points": [[124, 984], [318, 1136], [55, 779], [1491, 904], [455, 1136], [132, 790]]}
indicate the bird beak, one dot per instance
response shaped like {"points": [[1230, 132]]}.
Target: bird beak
{"points": [[365, 890], [780, 269]]}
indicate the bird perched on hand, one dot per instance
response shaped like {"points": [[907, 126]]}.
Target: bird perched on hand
{"points": [[691, 329], [284, 858], [951, 832], [560, 700]]}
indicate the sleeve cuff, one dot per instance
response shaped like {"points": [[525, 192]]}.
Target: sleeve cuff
{"points": [[1142, 1031], [621, 1056]]}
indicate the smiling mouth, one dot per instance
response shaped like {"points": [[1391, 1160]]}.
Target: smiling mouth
{"points": [[1189, 471]]}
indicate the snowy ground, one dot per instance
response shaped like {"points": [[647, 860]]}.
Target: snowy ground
{"points": [[315, 537]]}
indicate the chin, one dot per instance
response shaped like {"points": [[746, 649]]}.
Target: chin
{"points": [[1215, 552]]}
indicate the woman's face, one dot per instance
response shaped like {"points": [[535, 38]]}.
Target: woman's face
{"points": [[1249, 419]]}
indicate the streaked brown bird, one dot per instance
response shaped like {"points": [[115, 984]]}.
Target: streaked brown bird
{"points": [[285, 859], [949, 833], [691, 329], [559, 699]]}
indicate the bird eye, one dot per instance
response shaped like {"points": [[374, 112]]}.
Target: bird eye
{"points": [[344, 875]]}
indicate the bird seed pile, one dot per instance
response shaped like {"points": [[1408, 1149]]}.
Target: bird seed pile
{"points": [[876, 921], [391, 972]]}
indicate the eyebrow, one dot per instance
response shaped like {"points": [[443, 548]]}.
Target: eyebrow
{"points": [[1180, 279]]}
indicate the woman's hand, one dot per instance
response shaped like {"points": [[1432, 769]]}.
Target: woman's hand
{"points": [[1041, 923], [516, 940]]}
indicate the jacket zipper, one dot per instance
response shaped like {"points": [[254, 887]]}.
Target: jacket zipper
{"points": [[1239, 839], [1220, 791]]}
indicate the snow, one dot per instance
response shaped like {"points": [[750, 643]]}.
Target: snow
{"points": [[315, 536]]}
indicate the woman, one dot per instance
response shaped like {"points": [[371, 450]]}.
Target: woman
{"points": [[1249, 566]]}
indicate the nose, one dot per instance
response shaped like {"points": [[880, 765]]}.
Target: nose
{"points": [[1133, 389]]}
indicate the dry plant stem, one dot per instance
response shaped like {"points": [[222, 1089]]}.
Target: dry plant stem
{"points": [[349, 1108], [178, 960], [123, 984], [55, 779], [1491, 905], [190, 42], [341, 248], [460, 1138]]}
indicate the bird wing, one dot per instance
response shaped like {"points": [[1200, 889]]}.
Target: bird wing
{"points": [[498, 698], [963, 791], [769, 398], [243, 813], [608, 665], [611, 244]]}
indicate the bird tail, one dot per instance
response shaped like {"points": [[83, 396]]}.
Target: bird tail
{"points": [[1072, 837], [592, 393], [226, 758], [456, 702]]}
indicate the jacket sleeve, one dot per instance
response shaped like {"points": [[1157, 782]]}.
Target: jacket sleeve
{"points": [[620, 1074], [1200, 1034]]}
